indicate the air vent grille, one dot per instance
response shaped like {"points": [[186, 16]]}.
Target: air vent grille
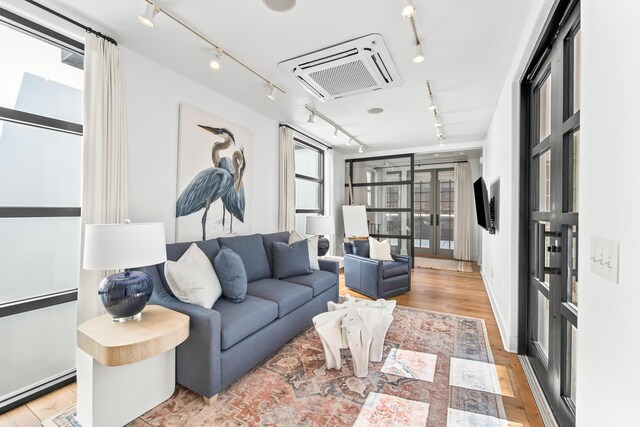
{"points": [[358, 66]]}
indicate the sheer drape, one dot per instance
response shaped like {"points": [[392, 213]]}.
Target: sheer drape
{"points": [[287, 181], [329, 191], [463, 203], [104, 179]]}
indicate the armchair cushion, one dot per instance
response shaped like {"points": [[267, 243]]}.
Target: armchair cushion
{"points": [[394, 268], [361, 248]]}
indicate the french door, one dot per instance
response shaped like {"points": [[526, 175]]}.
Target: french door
{"points": [[552, 153], [434, 212]]}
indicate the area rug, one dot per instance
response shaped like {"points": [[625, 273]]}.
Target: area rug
{"points": [[437, 370], [443, 264]]}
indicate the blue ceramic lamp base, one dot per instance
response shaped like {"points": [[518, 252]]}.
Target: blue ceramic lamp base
{"points": [[124, 295]]}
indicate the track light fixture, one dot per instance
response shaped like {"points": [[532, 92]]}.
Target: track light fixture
{"points": [[336, 128], [419, 56], [215, 62], [409, 9], [312, 116], [432, 107], [436, 116], [272, 92], [349, 141], [150, 12], [335, 133], [361, 148], [438, 125]]}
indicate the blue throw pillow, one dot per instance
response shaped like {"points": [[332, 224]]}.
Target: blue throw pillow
{"points": [[361, 248], [231, 274], [290, 260]]}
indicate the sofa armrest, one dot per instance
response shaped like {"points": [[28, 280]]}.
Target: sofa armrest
{"points": [[198, 357], [330, 266]]}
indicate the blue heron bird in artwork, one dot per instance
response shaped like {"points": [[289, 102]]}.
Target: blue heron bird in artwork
{"points": [[233, 200], [212, 183]]}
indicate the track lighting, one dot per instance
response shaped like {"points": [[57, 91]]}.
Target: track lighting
{"points": [[337, 129], [215, 62], [432, 107], [349, 141], [409, 9], [312, 116], [361, 149], [150, 12], [438, 124], [272, 92], [335, 133], [419, 56]]}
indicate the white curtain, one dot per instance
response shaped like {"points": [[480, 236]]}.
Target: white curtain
{"points": [[287, 201], [463, 203], [329, 191], [104, 179]]}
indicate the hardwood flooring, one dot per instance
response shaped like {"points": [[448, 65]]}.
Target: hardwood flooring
{"points": [[436, 290]]}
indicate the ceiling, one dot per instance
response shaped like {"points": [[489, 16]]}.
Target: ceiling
{"points": [[469, 46]]}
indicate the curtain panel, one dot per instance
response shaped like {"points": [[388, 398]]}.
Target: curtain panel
{"points": [[104, 174], [464, 210], [287, 182]]}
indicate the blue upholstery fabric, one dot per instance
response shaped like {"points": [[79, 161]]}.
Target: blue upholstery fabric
{"points": [[238, 321], [347, 248], [176, 250], [252, 253], [290, 260], [394, 268], [231, 274], [319, 281], [288, 296], [268, 239], [361, 248]]}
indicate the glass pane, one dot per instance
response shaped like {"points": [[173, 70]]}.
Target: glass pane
{"points": [[422, 209], [573, 279], [39, 167], [51, 243], [447, 214], [575, 170], [36, 345], [48, 81], [577, 43], [571, 369], [383, 196], [308, 194], [390, 170], [544, 114], [389, 223], [544, 181], [308, 161], [542, 332]]}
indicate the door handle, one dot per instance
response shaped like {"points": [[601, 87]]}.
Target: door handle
{"points": [[437, 220], [430, 219], [540, 269]]}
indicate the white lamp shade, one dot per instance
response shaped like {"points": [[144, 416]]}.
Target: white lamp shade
{"points": [[320, 225], [118, 246]]}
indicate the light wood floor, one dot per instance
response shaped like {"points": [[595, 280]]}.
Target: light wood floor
{"points": [[437, 290]]}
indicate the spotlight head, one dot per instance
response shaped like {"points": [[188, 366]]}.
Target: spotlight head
{"points": [[438, 124], [349, 141], [312, 116], [432, 107], [419, 56], [335, 133], [361, 149], [216, 61], [409, 9], [272, 92], [146, 18]]}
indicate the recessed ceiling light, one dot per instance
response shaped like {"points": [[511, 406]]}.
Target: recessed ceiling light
{"points": [[280, 5], [375, 110], [408, 10]]}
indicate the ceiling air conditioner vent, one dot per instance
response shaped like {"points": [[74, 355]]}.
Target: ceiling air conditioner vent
{"points": [[351, 68]]}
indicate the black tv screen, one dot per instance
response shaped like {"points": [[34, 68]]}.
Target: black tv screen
{"points": [[482, 203]]}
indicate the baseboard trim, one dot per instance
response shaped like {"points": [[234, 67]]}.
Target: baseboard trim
{"points": [[504, 336], [538, 395]]}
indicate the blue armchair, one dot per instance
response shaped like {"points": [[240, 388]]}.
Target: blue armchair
{"points": [[374, 278]]}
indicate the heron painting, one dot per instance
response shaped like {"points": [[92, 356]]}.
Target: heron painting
{"points": [[215, 194]]}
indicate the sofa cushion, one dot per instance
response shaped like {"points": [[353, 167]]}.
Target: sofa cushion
{"points": [[313, 247], [361, 248], [231, 273], [252, 253], [287, 295], [394, 268], [176, 250], [268, 239], [319, 281], [290, 260], [238, 321], [193, 279]]}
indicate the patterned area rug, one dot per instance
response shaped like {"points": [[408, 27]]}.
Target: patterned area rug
{"points": [[437, 370], [443, 264]]}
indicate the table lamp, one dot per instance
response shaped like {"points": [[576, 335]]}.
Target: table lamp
{"points": [[124, 246], [321, 226]]}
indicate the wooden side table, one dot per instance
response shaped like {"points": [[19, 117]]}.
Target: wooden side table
{"points": [[125, 369]]}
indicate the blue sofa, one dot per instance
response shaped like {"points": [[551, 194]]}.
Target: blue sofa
{"points": [[229, 339]]}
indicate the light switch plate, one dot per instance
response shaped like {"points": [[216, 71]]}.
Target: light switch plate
{"points": [[603, 258]]}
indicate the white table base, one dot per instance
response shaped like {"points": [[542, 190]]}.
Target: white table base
{"points": [[112, 396]]}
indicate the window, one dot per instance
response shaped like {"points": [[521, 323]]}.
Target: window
{"points": [[309, 182], [41, 92]]}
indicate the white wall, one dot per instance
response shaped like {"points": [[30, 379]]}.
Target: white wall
{"points": [[500, 163], [609, 325], [153, 95]]}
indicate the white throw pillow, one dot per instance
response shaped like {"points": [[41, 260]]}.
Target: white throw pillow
{"points": [[313, 248], [380, 250], [192, 278]]}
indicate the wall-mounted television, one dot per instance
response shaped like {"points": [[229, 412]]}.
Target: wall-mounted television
{"points": [[484, 206]]}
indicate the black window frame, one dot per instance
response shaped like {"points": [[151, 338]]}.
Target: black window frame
{"points": [[299, 141]]}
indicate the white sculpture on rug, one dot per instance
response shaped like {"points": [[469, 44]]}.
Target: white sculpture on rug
{"points": [[359, 325]]}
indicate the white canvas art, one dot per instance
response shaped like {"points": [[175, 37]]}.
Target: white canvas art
{"points": [[214, 164]]}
